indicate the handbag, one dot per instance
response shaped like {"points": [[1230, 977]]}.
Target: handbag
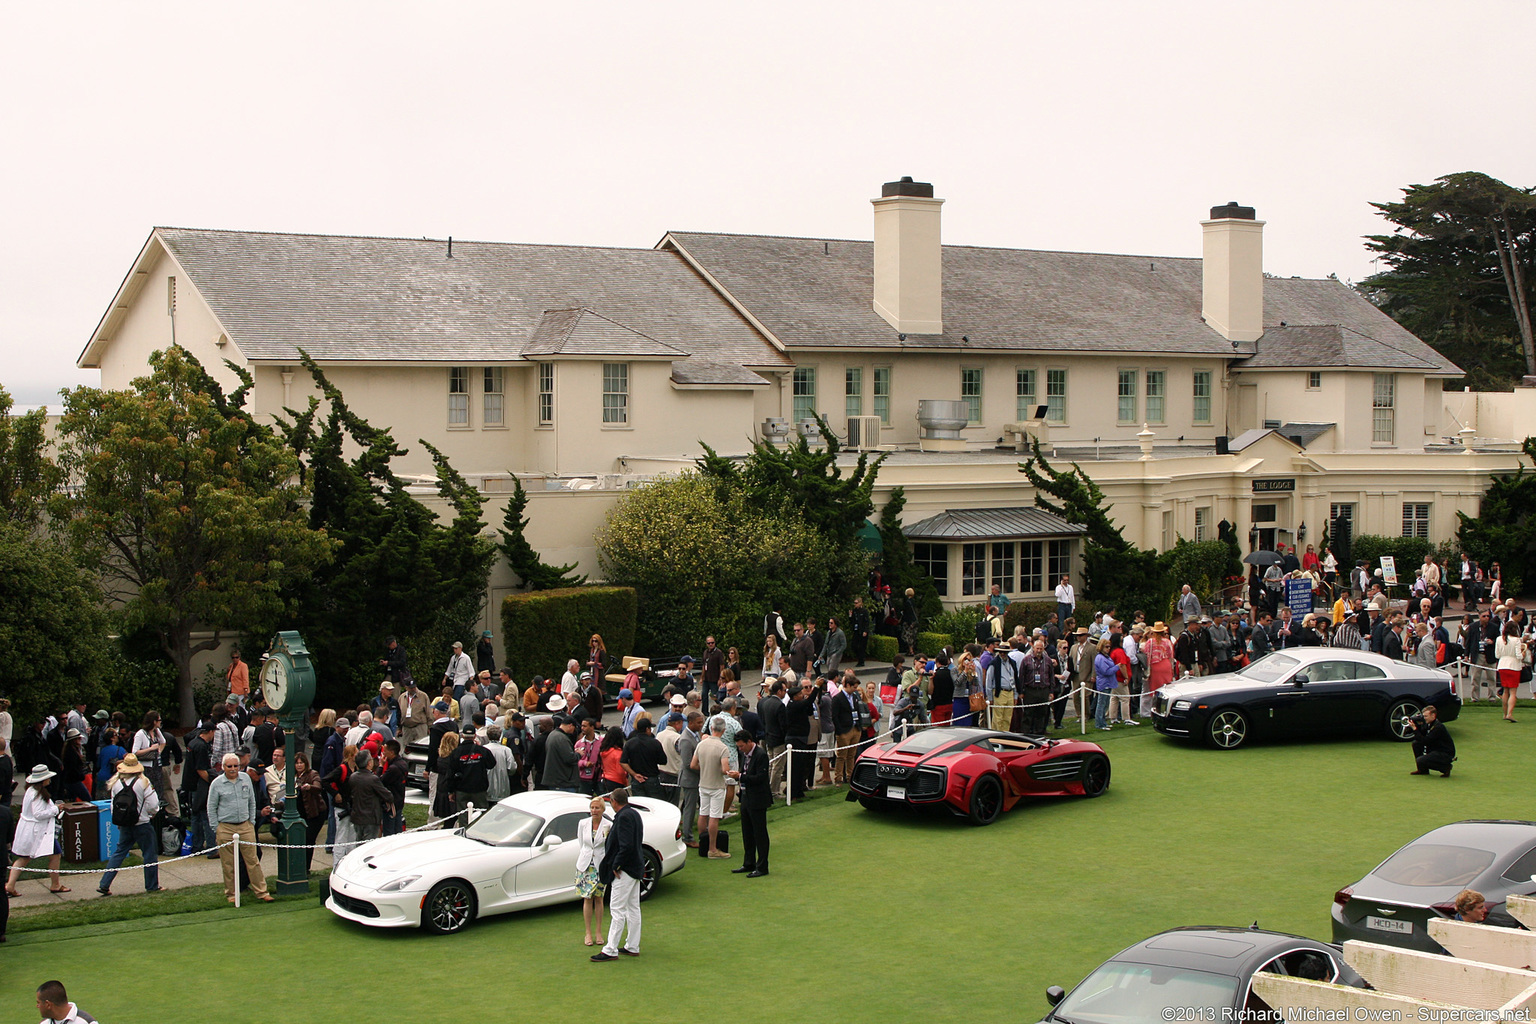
{"points": [[978, 702]]}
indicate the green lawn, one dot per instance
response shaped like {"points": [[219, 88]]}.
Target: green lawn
{"points": [[868, 915]]}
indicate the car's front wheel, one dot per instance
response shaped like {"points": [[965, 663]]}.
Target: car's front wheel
{"points": [[449, 907], [1096, 775], [986, 800], [652, 874], [1227, 729], [1400, 719]]}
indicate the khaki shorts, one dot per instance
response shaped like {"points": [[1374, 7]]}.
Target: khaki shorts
{"points": [[711, 803]]}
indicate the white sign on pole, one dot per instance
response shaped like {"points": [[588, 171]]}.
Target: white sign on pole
{"points": [[1389, 570]]}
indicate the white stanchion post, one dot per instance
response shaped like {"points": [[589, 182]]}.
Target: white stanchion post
{"points": [[789, 775], [237, 870]]}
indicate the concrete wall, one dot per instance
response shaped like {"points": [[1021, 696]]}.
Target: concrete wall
{"points": [[1501, 415]]}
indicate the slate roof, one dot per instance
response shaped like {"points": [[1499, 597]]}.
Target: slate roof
{"points": [[581, 332], [1307, 432], [990, 524], [816, 293], [1308, 346], [401, 299], [700, 372]]}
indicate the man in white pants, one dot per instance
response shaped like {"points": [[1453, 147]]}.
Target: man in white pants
{"points": [[623, 871]]}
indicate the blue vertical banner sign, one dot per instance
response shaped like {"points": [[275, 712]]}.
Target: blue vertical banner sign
{"points": [[1298, 595]]}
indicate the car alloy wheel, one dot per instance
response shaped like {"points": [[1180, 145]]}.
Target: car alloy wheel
{"points": [[652, 874], [1228, 729], [1400, 719], [986, 800], [1096, 775], [450, 906]]}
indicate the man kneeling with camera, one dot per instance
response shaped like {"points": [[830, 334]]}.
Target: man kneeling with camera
{"points": [[1433, 748]]}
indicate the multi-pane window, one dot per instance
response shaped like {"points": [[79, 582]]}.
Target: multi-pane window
{"points": [[1167, 531], [1058, 555], [882, 395], [1383, 408], [546, 393], [1202, 524], [1416, 519], [1125, 410], [805, 393], [853, 391], [1056, 396], [1002, 565], [934, 560], [1314, 380], [1157, 396], [973, 569], [970, 393], [1025, 387], [495, 397], [458, 396], [615, 393], [1341, 510], [1031, 566], [1200, 408]]}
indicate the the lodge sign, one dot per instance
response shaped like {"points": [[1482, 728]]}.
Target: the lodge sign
{"points": [[1273, 486]]}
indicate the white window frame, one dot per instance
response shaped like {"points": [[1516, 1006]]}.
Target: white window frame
{"points": [[1202, 523], [1416, 518], [546, 386], [971, 378], [802, 393], [853, 391], [458, 398], [493, 404], [1208, 378], [973, 569], [1383, 408], [1032, 574], [1160, 396], [929, 557], [1005, 565], [1026, 391], [1058, 412], [1314, 380], [615, 395], [1127, 389], [880, 395]]}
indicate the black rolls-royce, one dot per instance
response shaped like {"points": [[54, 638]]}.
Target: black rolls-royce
{"points": [[1305, 692]]}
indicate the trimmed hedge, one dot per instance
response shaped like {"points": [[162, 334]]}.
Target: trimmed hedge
{"points": [[883, 648], [543, 629], [931, 643]]}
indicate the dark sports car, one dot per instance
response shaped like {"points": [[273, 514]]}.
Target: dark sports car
{"points": [[976, 773], [1396, 901], [1304, 692], [1195, 974]]}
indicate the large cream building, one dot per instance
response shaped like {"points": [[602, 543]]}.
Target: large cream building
{"points": [[1194, 390]]}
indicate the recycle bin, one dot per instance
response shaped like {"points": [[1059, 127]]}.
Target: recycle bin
{"points": [[81, 839], [103, 825]]}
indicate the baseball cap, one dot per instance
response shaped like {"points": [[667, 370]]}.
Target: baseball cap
{"points": [[343, 723], [687, 657], [468, 730], [441, 706], [627, 694]]}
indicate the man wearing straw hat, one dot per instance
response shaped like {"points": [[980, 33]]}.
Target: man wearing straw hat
{"points": [[130, 778]]}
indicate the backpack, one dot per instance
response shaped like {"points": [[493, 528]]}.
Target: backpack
{"points": [[125, 806]]}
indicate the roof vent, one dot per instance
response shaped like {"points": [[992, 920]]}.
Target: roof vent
{"points": [[907, 187], [1231, 211]]}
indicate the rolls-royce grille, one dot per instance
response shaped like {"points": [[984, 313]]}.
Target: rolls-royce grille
{"points": [[1162, 704], [1057, 770], [926, 782], [362, 908]]}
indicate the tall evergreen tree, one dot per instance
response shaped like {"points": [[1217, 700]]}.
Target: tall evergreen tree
{"points": [[535, 573], [400, 570]]}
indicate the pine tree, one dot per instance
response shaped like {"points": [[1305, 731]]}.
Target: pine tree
{"points": [[534, 572]]}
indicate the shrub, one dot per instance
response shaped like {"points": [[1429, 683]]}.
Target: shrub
{"points": [[883, 648], [543, 629], [931, 643], [1028, 614], [959, 624], [1204, 565]]}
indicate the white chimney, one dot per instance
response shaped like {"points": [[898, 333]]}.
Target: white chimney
{"points": [[909, 257], [1232, 272]]}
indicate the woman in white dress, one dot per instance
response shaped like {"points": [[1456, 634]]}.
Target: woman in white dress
{"points": [[34, 831], [592, 835]]}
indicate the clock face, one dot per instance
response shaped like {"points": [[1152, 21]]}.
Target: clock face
{"points": [[274, 682]]}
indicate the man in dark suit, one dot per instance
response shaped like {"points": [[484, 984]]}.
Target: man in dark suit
{"points": [[1392, 643], [1433, 748], [845, 727], [755, 799], [771, 710], [622, 870]]}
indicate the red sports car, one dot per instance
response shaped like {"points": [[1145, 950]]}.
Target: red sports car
{"points": [[977, 773]]}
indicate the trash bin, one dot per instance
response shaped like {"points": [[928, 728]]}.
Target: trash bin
{"points": [[81, 839], [103, 823]]}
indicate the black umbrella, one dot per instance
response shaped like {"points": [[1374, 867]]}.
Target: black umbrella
{"points": [[1265, 558]]}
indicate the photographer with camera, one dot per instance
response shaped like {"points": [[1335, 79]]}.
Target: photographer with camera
{"points": [[1433, 748]]}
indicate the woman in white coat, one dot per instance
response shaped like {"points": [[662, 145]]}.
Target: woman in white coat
{"points": [[592, 835], [34, 832]]}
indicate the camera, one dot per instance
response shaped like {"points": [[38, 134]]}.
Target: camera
{"points": [[1417, 720]]}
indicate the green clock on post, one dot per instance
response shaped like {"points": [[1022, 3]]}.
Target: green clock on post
{"points": [[288, 686]]}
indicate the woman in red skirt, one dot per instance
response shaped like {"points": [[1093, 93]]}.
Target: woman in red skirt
{"points": [[1512, 653]]}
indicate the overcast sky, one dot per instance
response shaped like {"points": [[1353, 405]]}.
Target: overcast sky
{"points": [[1109, 127]]}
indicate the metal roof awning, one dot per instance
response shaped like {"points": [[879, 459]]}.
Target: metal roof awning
{"points": [[991, 524]]}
